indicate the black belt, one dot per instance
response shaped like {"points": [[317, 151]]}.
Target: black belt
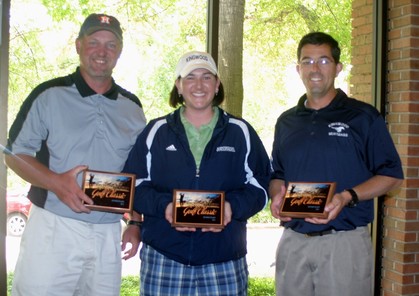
{"points": [[320, 233], [317, 233]]}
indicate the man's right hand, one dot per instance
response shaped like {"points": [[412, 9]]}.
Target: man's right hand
{"points": [[277, 192], [64, 185], [69, 192]]}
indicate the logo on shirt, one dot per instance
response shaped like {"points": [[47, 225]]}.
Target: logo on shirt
{"points": [[171, 148], [226, 149], [339, 129]]}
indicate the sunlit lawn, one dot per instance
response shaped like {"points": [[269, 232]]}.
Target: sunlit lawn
{"points": [[257, 286], [130, 285]]}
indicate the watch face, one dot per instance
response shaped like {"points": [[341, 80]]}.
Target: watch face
{"points": [[352, 204]]}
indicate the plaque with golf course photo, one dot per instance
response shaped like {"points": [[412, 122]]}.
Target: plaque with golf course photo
{"points": [[111, 192], [198, 209], [307, 199]]}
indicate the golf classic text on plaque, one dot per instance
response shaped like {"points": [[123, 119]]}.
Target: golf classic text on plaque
{"points": [[198, 208], [111, 192], [307, 199]]}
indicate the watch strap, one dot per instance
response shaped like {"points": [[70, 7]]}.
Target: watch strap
{"points": [[136, 223], [355, 199]]}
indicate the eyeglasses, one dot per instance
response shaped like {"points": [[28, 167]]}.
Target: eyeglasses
{"points": [[322, 62]]}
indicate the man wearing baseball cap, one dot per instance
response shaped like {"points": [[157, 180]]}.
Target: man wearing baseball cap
{"points": [[66, 125], [197, 148]]}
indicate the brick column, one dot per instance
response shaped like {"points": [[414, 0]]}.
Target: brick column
{"points": [[401, 244], [400, 272], [362, 31]]}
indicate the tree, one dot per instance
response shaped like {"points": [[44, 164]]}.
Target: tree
{"points": [[272, 30], [156, 34], [257, 48], [230, 53]]}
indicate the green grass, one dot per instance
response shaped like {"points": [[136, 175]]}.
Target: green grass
{"points": [[9, 283], [263, 216], [130, 286], [257, 286], [261, 287]]}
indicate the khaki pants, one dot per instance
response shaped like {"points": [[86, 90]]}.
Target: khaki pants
{"points": [[337, 264]]}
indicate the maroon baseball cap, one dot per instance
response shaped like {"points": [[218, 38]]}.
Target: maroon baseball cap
{"points": [[97, 22]]}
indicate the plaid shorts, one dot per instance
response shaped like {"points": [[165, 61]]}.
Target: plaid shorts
{"points": [[160, 276]]}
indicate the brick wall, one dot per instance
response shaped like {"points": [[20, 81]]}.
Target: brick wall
{"points": [[362, 25], [400, 272]]}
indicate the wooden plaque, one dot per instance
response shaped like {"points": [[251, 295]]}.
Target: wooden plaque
{"points": [[307, 199], [197, 208], [111, 192]]}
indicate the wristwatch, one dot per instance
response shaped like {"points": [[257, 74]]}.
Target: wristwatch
{"points": [[355, 200], [136, 223]]}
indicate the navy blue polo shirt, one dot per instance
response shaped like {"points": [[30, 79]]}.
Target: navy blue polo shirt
{"points": [[346, 142]]}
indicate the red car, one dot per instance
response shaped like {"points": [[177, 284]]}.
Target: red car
{"points": [[18, 206]]}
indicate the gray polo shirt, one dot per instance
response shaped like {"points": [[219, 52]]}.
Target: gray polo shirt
{"points": [[64, 123]]}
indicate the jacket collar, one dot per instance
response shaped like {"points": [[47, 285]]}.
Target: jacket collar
{"points": [[174, 120]]}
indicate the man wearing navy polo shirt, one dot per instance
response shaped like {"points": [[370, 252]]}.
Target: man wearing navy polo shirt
{"points": [[329, 137]]}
